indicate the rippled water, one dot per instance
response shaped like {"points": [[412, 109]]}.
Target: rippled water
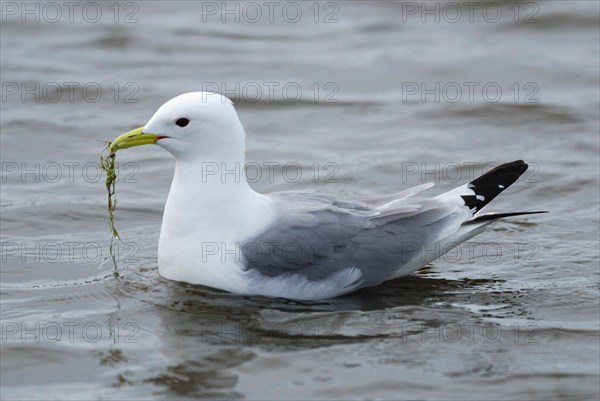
{"points": [[511, 315]]}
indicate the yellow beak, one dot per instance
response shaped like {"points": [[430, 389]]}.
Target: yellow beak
{"points": [[133, 138]]}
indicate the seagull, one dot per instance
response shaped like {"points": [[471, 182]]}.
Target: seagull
{"points": [[301, 245]]}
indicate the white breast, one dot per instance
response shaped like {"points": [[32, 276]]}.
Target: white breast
{"points": [[204, 228]]}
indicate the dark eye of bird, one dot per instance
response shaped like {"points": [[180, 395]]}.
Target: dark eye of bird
{"points": [[182, 122]]}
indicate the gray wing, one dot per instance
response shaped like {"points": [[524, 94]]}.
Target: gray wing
{"points": [[316, 235]]}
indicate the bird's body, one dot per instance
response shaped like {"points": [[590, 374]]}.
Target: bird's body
{"points": [[217, 231]]}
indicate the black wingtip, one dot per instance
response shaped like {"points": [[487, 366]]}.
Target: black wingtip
{"points": [[496, 216], [492, 183]]}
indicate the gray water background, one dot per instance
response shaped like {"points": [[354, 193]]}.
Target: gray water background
{"points": [[512, 315]]}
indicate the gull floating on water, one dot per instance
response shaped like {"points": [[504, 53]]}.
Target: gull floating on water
{"points": [[301, 245]]}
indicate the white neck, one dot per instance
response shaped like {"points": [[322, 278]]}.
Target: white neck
{"points": [[211, 208]]}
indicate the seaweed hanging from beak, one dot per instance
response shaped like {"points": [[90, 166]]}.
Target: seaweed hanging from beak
{"points": [[107, 163]]}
